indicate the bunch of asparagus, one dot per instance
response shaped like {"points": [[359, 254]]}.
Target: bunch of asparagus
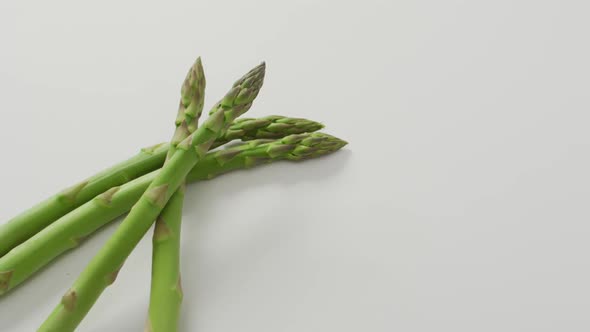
{"points": [[150, 188]]}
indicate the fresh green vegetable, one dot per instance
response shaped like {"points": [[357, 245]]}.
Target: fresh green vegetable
{"points": [[165, 299], [28, 223], [102, 270], [32, 221], [273, 126], [151, 188], [25, 225], [166, 287], [192, 98], [68, 232]]}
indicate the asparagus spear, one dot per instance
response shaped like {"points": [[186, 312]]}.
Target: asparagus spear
{"points": [[68, 232], [166, 287], [30, 222], [273, 126], [191, 106], [103, 268], [165, 301], [35, 219]]}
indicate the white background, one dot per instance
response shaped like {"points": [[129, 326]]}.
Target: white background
{"points": [[461, 203]]}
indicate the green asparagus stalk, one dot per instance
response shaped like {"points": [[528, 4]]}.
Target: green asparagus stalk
{"points": [[69, 231], [30, 222], [165, 301], [12, 271], [102, 270], [27, 224], [166, 287]]}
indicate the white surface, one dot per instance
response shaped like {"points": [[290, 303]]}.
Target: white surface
{"points": [[460, 204]]}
